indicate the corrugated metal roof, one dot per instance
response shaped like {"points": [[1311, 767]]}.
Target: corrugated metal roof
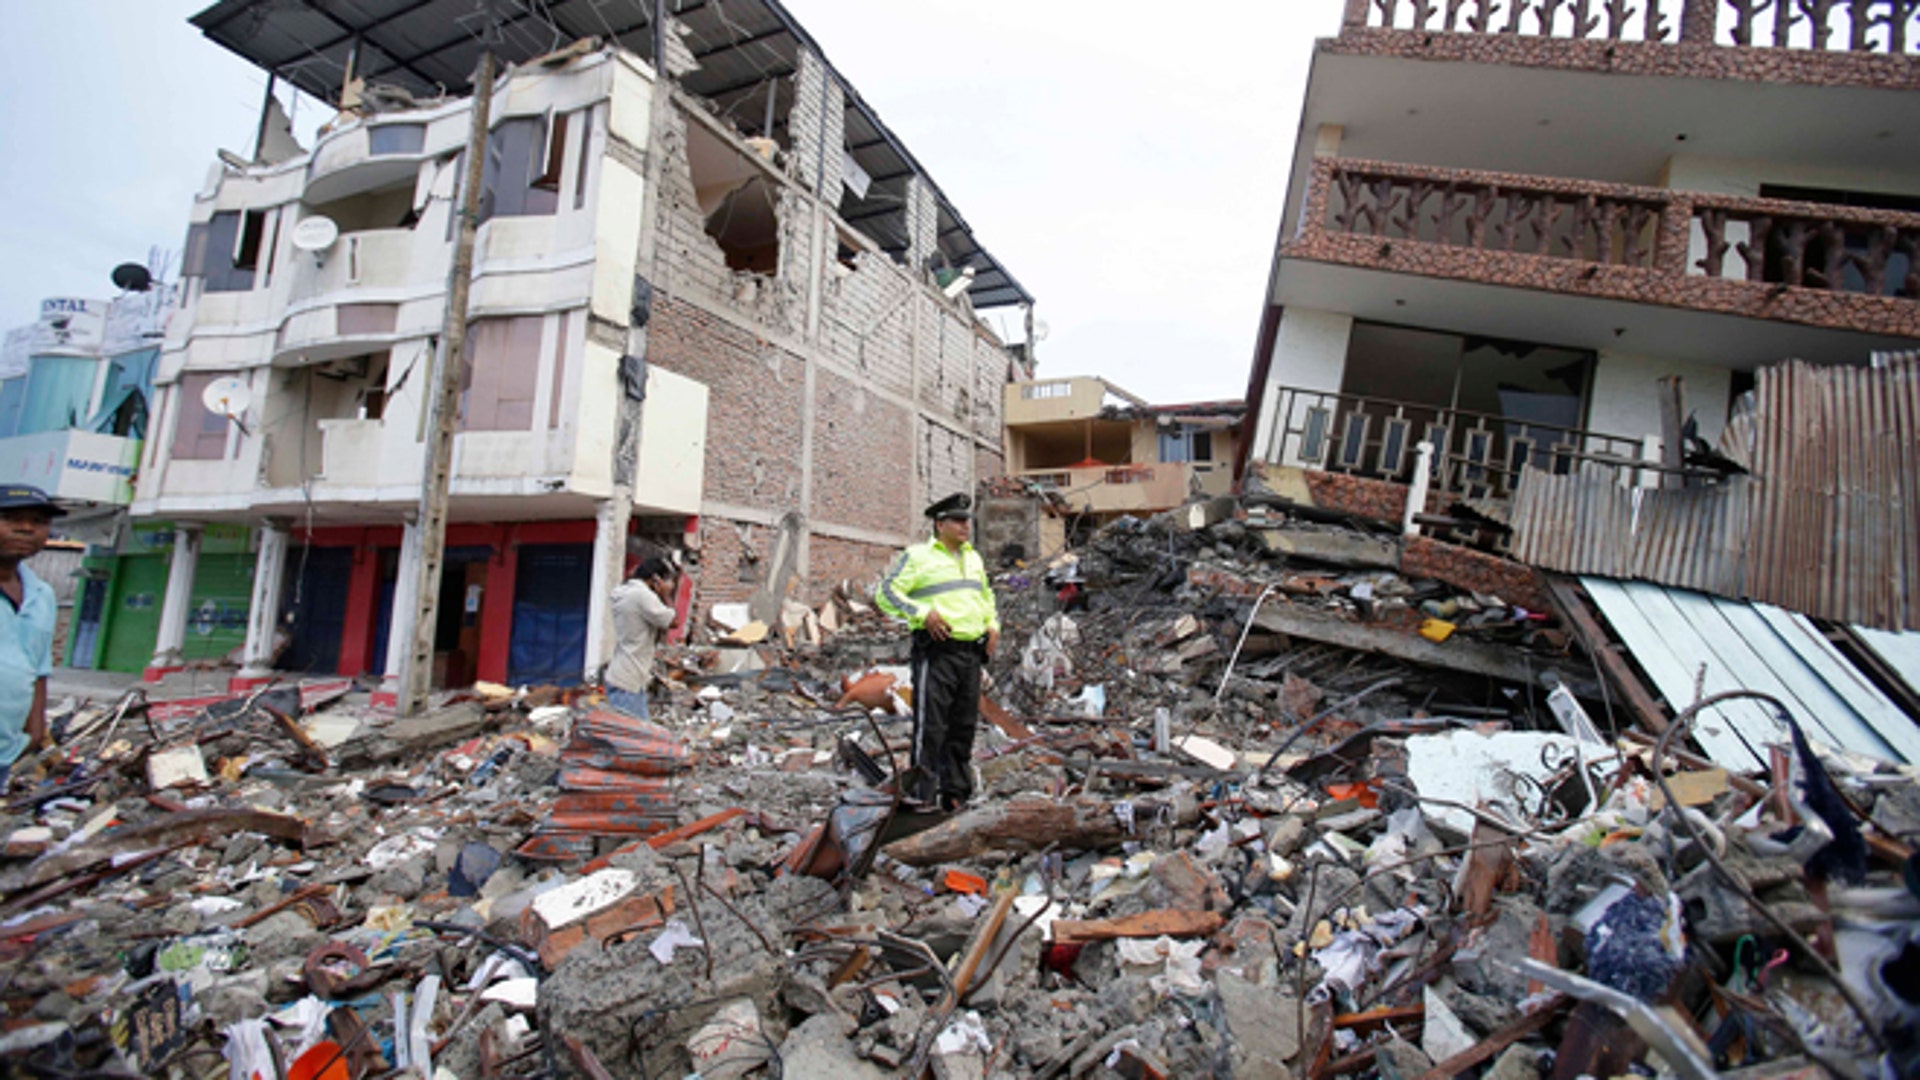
{"points": [[1693, 645], [746, 49], [1901, 652], [1828, 524]]}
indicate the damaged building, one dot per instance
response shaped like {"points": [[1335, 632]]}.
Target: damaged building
{"points": [[716, 305], [1558, 244]]}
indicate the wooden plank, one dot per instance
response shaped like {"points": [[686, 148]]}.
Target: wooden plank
{"points": [[1599, 645], [1454, 655], [1171, 922]]}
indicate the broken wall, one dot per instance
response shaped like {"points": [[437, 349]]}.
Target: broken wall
{"points": [[843, 386]]}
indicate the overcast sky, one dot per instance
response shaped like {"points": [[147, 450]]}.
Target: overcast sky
{"points": [[1125, 161]]}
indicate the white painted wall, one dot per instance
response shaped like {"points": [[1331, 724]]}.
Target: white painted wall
{"points": [[557, 265], [673, 445], [1626, 402], [1309, 352]]}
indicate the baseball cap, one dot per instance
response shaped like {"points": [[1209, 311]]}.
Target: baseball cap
{"points": [[23, 496]]}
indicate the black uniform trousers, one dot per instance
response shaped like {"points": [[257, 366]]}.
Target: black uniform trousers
{"points": [[946, 710]]}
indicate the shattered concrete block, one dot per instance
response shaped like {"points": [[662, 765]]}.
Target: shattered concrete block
{"points": [[1261, 1026], [820, 1047], [1516, 1063], [1406, 1058], [730, 1045]]}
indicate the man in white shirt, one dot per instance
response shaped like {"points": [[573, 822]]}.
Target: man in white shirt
{"points": [[642, 611]]}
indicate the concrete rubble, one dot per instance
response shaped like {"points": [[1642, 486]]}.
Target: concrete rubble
{"points": [[1232, 823]]}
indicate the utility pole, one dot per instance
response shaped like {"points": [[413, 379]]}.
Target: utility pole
{"points": [[443, 410]]}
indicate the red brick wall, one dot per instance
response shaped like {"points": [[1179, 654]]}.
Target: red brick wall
{"points": [[1381, 500], [861, 446], [753, 408], [834, 560], [1464, 568]]}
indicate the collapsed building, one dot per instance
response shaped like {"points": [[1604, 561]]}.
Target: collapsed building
{"points": [[716, 305]]}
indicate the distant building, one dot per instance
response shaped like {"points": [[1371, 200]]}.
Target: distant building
{"points": [[1102, 452], [75, 396]]}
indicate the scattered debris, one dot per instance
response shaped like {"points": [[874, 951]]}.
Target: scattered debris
{"points": [[1236, 817]]}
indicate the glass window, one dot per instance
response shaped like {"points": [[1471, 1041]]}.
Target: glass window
{"points": [[396, 139]]}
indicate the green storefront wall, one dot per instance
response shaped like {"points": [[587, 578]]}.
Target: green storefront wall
{"points": [[217, 609]]}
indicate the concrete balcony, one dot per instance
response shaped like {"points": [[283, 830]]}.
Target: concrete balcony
{"points": [[350, 452], [74, 466], [346, 300], [1851, 274], [364, 158]]}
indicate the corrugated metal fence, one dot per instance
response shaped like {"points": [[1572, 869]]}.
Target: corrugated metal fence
{"points": [[1827, 525]]}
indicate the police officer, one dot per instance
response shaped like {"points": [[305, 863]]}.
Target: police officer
{"points": [[940, 587]]}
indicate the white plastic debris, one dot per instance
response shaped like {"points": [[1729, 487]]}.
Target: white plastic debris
{"points": [[402, 848], [578, 899], [675, 936], [1493, 771], [965, 1035]]}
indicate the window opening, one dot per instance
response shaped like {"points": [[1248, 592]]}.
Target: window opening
{"points": [[552, 160], [737, 200], [246, 247], [586, 159]]}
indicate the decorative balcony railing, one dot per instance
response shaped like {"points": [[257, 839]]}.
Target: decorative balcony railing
{"points": [[1783, 244], [1476, 455], [1675, 235], [1862, 26], [1605, 223]]}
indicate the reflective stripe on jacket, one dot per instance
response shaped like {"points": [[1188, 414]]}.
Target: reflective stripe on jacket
{"points": [[928, 577]]}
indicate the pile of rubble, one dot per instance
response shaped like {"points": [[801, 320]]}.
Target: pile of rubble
{"points": [[1252, 805]]}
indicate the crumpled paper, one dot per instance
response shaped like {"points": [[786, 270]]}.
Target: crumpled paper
{"points": [[1178, 963]]}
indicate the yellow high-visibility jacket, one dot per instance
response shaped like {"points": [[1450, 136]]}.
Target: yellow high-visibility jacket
{"points": [[928, 577]]}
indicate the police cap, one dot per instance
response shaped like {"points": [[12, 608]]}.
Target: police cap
{"points": [[957, 505]]}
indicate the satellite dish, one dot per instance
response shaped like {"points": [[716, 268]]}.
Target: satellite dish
{"points": [[227, 396], [132, 277], [1041, 329], [316, 233]]}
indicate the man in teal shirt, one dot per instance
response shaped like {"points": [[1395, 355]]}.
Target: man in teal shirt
{"points": [[26, 621]]}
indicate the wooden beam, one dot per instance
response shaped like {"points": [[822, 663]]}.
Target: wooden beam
{"points": [[1171, 922], [1571, 600], [1083, 823]]}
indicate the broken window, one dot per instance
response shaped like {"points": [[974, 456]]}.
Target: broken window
{"points": [[739, 201], [252, 232], [586, 159], [554, 156], [517, 156], [212, 249], [502, 368], [1186, 443], [200, 434]]}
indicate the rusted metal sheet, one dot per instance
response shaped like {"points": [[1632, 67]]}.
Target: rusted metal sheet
{"points": [[1828, 524]]}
